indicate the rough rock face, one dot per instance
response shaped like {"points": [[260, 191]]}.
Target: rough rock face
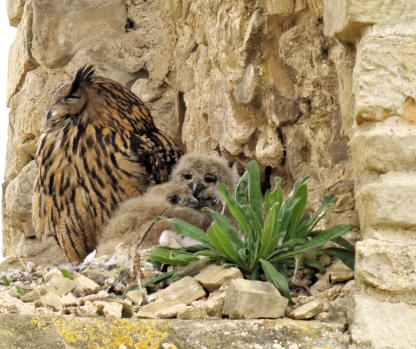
{"points": [[240, 78]]}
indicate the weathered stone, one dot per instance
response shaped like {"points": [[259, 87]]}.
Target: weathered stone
{"points": [[137, 296], [384, 71], [185, 290], [245, 91], [192, 312], [41, 332], [345, 19], [112, 310], [55, 35], [389, 146], [50, 300], [68, 299], [7, 301], [15, 11], [307, 311], [58, 285], [213, 276], [162, 309], [280, 7], [20, 56], [18, 204], [84, 285], [388, 267], [339, 272], [379, 324], [385, 203], [246, 299]]}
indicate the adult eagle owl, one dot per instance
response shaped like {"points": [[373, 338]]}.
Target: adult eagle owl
{"points": [[99, 147]]}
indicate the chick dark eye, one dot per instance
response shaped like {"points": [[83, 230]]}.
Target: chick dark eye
{"points": [[187, 176], [174, 199], [210, 178]]}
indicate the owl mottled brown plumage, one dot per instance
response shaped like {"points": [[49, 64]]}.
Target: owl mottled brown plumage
{"points": [[134, 215], [99, 147]]}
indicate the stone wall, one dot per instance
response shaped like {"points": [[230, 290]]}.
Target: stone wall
{"points": [[383, 150], [245, 79]]}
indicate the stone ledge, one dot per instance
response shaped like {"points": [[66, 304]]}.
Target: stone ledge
{"points": [[41, 332], [388, 202], [345, 19], [387, 267], [379, 324]]}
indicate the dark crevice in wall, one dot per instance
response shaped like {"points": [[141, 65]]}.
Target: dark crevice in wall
{"points": [[181, 111]]}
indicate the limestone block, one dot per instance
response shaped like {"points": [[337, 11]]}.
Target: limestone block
{"points": [[84, 285], [247, 299], [213, 276], [280, 7], [345, 18], [388, 267], [17, 210], [28, 109], [184, 290], [15, 11], [58, 285], [388, 202], [384, 72], [20, 55], [50, 300], [383, 147], [380, 325], [62, 27], [162, 309], [307, 310]]}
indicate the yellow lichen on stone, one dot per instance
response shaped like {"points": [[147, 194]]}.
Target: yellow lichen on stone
{"points": [[101, 334]]}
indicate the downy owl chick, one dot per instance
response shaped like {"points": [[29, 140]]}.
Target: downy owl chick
{"points": [[203, 174], [134, 215]]}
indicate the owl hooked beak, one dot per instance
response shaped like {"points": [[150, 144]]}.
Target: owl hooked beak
{"points": [[197, 188], [193, 202]]}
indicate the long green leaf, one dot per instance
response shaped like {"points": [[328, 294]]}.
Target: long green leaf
{"points": [[344, 243], [254, 190], [314, 264], [268, 242], [188, 230], [240, 194], [218, 239], [160, 277], [235, 209], [274, 196], [300, 195], [228, 228], [317, 240], [167, 255], [276, 278]]}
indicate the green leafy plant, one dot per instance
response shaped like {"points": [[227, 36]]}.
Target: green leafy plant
{"points": [[5, 281], [20, 290], [273, 237], [66, 273]]}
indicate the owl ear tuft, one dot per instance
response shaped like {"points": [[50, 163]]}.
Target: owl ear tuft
{"points": [[83, 74]]}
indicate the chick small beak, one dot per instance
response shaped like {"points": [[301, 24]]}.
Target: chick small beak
{"points": [[194, 186], [193, 202]]}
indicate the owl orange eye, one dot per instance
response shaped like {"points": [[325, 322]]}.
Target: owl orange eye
{"points": [[187, 176], [210, 178]]}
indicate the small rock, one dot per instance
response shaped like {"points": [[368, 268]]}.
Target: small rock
{"points": [[101, 295], [185, 291], [323, 316], [84, 285], [247, 299], [50, 300], [213, 276], [192, 312], [339, 272], [307, 311], [112, 310], [137, 296], [163, 309], [57, 284], [347, 288], [68, 300], [30, 296], [88, 309]]}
